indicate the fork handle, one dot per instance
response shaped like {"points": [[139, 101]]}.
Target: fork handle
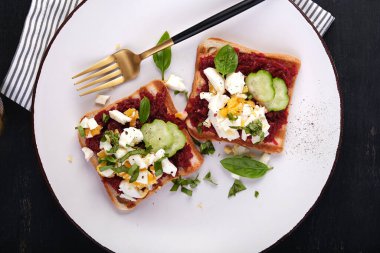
{"points": [[215, 19]]}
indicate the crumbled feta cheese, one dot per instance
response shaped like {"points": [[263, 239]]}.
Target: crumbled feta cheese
{"points": [[130, 190], [175, 83], [92, 124], [88, 153], [159, 154], [216, 79], [168, 167], [137, 159], [107, 173], [101, 99], [265, 158], [207, 123], [84, 122], [235, 83], [119, 117], [106, 145], [131, 136]]}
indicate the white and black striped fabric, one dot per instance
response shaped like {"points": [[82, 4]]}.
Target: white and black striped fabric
{"points": [[44, 18]]}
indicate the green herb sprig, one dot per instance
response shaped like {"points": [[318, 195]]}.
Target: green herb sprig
{"points": [[163, 58], [209, 178], [207, 148], [182, 182]]}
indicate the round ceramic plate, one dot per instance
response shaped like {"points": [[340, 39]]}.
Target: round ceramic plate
{"points": [[174, 222]]}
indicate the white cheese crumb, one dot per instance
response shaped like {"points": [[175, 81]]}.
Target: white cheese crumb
{"points": [[92, 124], [119, 117], [88, 153], [175, 83], [101, 99]]}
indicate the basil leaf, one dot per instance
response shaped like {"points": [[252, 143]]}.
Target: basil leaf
{"points": [[256, 194], [163, 58], [103, 168], [245, 166], [207, 148], [144, 110], [133, 172], [81, 131], [105, 118], [158, 168], [187, 191], [238, 186], [209, 178], [226, 60], [131, 153]]}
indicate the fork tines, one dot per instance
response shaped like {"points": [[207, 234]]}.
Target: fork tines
{"points": [[105, 72]]}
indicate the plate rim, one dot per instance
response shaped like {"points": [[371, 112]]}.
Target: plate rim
{"points": [[328, 181]]}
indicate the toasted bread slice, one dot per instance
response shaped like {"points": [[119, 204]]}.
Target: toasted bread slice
{"points": [[152, 89], [209, 49]]}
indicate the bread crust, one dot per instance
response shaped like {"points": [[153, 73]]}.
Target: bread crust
{"points": [[210, 47], [154, 87]]}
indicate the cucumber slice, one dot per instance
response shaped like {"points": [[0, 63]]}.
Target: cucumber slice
{"points": [[281, 98], [179, 139], [157, 135], [260, 85]]}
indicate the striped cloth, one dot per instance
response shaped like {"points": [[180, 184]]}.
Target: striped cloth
{"points": [[42, 21]]}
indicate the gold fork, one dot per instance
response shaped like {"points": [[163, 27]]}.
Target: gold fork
{"points": [[124, 65]]}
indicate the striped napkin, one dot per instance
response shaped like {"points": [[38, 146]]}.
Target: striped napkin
{"points": [[44, 18]]}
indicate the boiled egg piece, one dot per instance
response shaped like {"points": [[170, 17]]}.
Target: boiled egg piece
{"points": [[175, 83], [130, 136], [235, 83], [168, 167], [119, 117], [88, 153], [216, 79]]}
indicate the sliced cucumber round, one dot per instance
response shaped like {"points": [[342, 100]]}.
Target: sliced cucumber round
{"points": [[179, 139], [281, 98], [157, 135], [260, 85]]}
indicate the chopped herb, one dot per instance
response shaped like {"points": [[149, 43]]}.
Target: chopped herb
{"points": [[187, 191], [120, 169], [256, 194], [133, 172], [238, 186], [109, 160], [103, 168], [163, 58], [199, 127], [180, 182], [114, 148], [112, 137], [232, 117], [249, 96], [207, 148], [105, 118], [184, 92], [158, 168], [209, 178], [144, 110], [81, 131], [254, 128], [131, 153], [103, 139], [196, 142]]}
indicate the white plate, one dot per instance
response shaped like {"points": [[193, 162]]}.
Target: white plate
{"points": [[173, 222]]}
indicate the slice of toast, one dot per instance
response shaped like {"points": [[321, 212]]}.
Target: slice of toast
{"points": [[164, 111], [206, 51]]}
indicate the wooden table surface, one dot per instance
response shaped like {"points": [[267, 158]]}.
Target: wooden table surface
{"points": [[347, 216]]}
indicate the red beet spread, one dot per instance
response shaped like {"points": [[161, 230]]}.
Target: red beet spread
{"points": [[198, 108], [158, 110]]}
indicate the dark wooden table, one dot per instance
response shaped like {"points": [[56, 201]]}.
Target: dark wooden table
{"points": [[347, 216]]}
